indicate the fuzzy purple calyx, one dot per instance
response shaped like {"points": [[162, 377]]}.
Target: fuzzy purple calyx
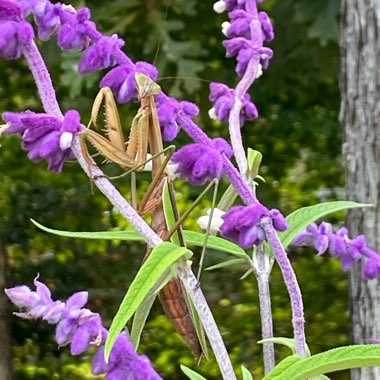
{"points": [[242, 224], [200, 163]]}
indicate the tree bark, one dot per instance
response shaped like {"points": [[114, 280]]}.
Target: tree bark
{"points": [[5, 329], [360, 116]]}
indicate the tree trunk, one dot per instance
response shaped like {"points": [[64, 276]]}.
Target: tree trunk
{"points": [[5, 330], [360, 116]]}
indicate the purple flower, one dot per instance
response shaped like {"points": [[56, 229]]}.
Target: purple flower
{"points": [[36, 304], [124, 362], [266, 26], [45, 136], [371, 268], [81, 328], [172, 114], [200, 163], [265, 55], [242, 224], [223, 99], [47, 17], [101, 54], [75, 29], [122, 81], [14, 30], [240, 24]]}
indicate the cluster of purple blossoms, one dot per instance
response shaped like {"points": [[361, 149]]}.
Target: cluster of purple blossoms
{"points": [[81, 329], [241, 224], [246, 32], [44, 136], [200, 163], [322, 238]]}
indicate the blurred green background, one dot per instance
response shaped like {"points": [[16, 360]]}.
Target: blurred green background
{"points": [[297, 132]]}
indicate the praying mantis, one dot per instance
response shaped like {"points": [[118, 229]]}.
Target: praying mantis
{"points": [[145, 133]]}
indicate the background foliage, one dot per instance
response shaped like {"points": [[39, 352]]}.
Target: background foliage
{"points": [[297, 132]]}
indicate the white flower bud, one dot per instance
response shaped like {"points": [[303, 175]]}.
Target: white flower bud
{"points": [[212, 114], [216, 221], [225, 27], [65, 140], [219, 6], [259, 71]]}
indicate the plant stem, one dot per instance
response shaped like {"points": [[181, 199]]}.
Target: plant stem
{"points": [[262, 264], [291, 283], [208, 322]]}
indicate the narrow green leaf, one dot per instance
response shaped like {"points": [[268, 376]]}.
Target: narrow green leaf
{"points": [[140, 318], [131, 235], [320, 377], [282, 367], [169, 213], [288, 342], [246, 374], [162, 257], [337, 359], [254, 158], [192, 375], [198, 326], [246, 274], [214, 242], [301, 218], [227, 263], [227, 199]]}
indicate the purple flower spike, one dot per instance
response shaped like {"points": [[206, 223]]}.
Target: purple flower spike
{"points": [[200, 163], [75, 29], [101, 54], [223, 99], [172, 114], [81, 328], [45, 136], [341, 246], [122, 81]]}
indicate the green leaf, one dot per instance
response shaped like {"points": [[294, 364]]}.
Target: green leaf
{"points": [[198, 326], [282, 367], [191, 374], [254, 161], [227, 263], [162, 257], [227, 199], [288, 342], [169, 213], [246, 374], [131, 235], [220, 244], [337, 359], [301, 218], [140, 318]]}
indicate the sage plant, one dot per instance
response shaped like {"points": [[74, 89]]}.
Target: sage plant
{"points": [[261, 235]]}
